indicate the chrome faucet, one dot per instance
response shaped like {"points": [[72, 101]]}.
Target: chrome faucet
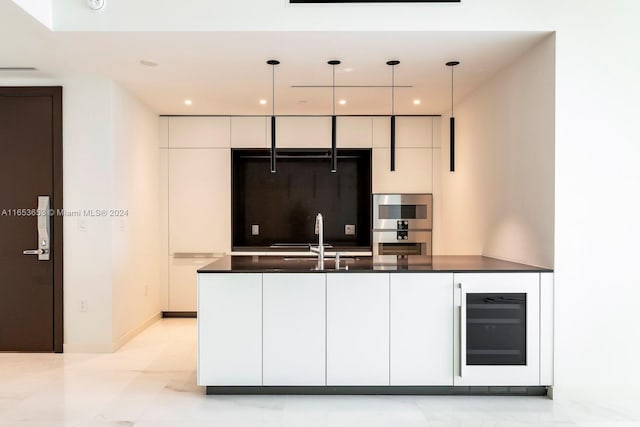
{"points": [[320, 249]]}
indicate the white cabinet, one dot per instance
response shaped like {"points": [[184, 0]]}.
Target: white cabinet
{"points": [[199, 218], [413, 174], [248, 132], [294, 329], [199, 132], [357, 329], [503, 333], [163, 123], [183, 279], [199, 201], [414, 132], [163, 213], [546, 328], [303, 132], [411, 132], [414, 155], [230, 329], [421, 329], [354, 132]]}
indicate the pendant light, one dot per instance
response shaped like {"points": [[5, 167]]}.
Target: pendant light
{"points": [[334, 154], [452, 124], [273, 63], [393, 113]]}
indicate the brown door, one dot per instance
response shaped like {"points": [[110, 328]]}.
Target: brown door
{"points": [[30, 167]]}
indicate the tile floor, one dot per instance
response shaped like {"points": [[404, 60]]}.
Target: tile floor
{"points": [[152, 382]]}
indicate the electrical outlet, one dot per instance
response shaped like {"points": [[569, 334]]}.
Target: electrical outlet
{"points": [[146, 290], [255, 229], [82, 225], [350, 229], [84, 305]]}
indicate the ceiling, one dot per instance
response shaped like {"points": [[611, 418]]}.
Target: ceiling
{"points": [[226, 73]]}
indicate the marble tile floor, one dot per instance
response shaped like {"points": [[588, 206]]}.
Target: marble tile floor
{"points": [[152, 382]]}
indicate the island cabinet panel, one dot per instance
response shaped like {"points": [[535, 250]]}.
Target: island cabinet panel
{"points": [[421, 322], [230, 329], [357, 329], [294, 329], [546, 328]]}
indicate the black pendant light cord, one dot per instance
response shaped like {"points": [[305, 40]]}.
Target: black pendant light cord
{"points": [[452, 91], [333, 85]]}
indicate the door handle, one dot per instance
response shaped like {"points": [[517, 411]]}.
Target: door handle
{"points": [[44, 224], [461, 332], [35, 251]]}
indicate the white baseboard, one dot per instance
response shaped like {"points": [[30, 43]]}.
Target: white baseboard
{"points": [[90, 347], [135, 331], [111, 347]]}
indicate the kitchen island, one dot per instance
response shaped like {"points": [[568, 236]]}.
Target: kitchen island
{"points": [[270, 324]]}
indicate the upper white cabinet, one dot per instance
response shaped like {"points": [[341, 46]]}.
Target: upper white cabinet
{"points": [[303, 132], [249, 132], [421, 329], [164, 132], [413, 174], [199, 201], [199, 132], [230, 329], [357, 329], [354, 132], [411, 132], [294, 329], [414, 132]]}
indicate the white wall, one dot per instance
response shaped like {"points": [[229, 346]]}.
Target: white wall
{"points": [[87, 171], [500, 200], [135, 237]]}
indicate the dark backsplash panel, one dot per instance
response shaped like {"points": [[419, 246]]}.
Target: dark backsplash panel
{"points": [[284, 204]]}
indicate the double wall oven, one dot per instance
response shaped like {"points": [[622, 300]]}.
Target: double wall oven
{"points": [[402, 226]]}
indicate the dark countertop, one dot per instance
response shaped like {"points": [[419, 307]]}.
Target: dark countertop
{"points": [[364, 264]]}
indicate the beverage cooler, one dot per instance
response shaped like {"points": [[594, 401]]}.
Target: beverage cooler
{"points": [[498, 321]]}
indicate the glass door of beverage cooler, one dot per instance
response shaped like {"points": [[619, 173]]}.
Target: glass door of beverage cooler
{"points": [[498, 329]]}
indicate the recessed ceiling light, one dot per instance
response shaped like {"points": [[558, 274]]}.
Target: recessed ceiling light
{"points": [[148, 63], [303, 101], [263, 102], [342, 102], [188, 102], [416, 102]]}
